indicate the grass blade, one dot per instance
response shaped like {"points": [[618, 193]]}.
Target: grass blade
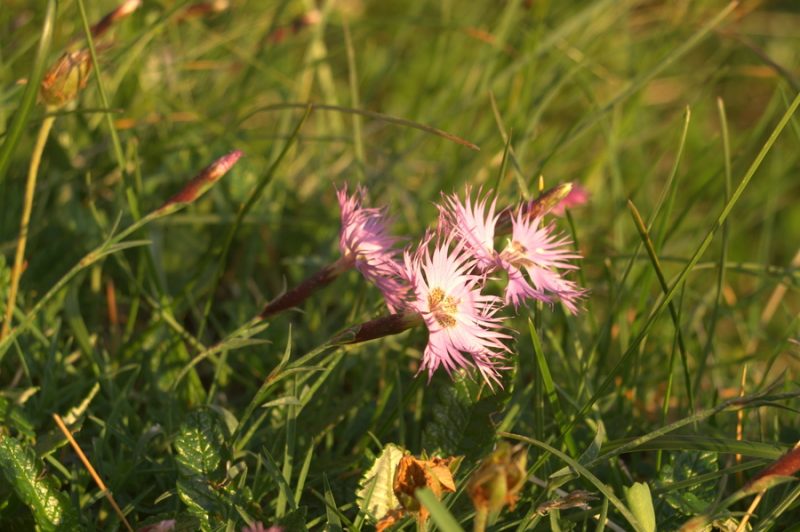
{"points": [[439, 512], [14, 132], [632, 348], [673, 312], [550, 389], [585, 473]]}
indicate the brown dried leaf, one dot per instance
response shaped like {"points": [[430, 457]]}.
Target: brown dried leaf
{"points": [[390, 519], [413, 474], [574, 499]]}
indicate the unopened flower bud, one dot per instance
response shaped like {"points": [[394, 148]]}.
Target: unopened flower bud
{"points": [[203, 181], [121, 11], [538, 206], [378, 328], [499, 479]]}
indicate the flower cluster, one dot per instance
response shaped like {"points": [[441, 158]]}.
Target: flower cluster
{"points": [[443, 280]]}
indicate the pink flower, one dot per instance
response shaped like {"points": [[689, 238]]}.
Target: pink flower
{"points": [[576, 197], [532, 249], [541, 254], [463, 330], [258, 526], [168, 525], [473, 225], [366, 244]]}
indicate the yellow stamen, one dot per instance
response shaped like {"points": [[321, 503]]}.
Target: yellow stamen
{"points": [[443, 307]]}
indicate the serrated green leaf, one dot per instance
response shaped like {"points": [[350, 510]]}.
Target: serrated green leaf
{"points": [[12, 415], [200, 443], [201, 450], [641, 504], [50, 507], [375, 493], [202, 501], [462, 421]]}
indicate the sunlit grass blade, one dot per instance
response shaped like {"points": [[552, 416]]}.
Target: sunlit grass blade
{"points": [[288, 447], [633, 347], [723, 256], [252, 198], [550, 389], [368, 114], [439, 512], [603, 488], [130, 192], [334, 523], [28, 100], [674, 313], [640, 81]]}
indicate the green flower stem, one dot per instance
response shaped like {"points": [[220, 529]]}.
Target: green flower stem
{"points": [[27, 207], [481, 518]]}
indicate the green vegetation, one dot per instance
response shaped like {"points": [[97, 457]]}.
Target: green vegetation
{"points": [[655, 405]]}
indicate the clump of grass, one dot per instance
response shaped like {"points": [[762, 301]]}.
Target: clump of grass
{"points": [[146, 334]]}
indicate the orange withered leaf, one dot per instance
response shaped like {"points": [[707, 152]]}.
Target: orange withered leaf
{"points": [[389, 519], [413, 474]]}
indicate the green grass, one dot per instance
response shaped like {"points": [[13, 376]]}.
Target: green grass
{"points": [[678, 117]]}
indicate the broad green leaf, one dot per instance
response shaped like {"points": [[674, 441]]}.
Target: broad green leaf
{"points": [[200, 443], [51, 508], [202, 501], [202, 451], [680, 504], [641, 504], [12, 415], [462, 421], [375, 493]]}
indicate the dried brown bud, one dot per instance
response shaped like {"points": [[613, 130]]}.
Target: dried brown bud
{"points": [[66, 78]]}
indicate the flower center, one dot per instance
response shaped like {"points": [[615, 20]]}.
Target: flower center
{"points": [[443, 307]]}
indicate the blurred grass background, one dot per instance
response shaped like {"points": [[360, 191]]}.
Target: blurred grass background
{"points": [[593, 92]]}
